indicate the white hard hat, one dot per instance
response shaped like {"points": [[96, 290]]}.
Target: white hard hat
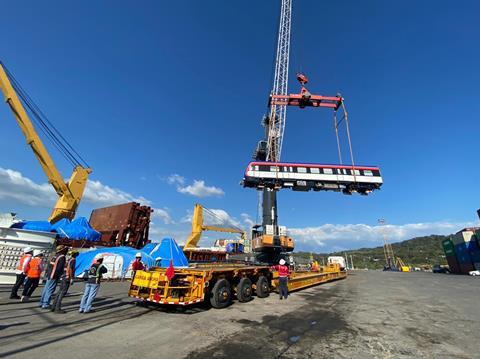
{"points": [[99, 256], [37, 252], [27, 250], [138, 255], [282, 261]]}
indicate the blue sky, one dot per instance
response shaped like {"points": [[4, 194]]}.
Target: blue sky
{"points": [[152, 89]]}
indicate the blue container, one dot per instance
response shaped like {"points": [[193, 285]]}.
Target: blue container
{"points": [[230, 247], [462, 253]]}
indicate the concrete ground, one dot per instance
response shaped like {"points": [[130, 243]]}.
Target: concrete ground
{"points": [[369, 315]]}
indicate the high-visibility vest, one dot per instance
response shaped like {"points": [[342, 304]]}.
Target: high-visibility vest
{"points": [[34, 268], [22, 260], [68, 271], [55, 265]]}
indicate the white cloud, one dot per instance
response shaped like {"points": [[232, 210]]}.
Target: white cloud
{"points": [[175, 179], [98, 194], [336, 237], [249, 222], [14, 186], [199, 189], [163, 215]]}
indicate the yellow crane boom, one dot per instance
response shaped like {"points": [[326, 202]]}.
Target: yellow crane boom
{"points": [[198, 227], [70, 193]]}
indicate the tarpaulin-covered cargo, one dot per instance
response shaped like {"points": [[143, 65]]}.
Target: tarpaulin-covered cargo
{"points": [[118, 261], [168, 250], [78, 229]]}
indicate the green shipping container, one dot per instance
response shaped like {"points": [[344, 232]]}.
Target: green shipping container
{"points": [[448, 247]]}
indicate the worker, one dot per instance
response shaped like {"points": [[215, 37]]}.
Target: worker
{"points": [[65, 282], [315, 267], [283, 274], [137, 263], [21, 271], [34, 270], [53, 274], [95, 274]]}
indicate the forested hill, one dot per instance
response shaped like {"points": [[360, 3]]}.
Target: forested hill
{"points": [[414, 252]]}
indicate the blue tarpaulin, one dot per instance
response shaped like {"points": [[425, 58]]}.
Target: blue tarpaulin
{"points": [[149, 247], [168, 250], [78, 229], [42, 226], [125, 254]]}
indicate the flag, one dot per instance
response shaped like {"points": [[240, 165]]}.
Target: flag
{"points": [[170, 272]]}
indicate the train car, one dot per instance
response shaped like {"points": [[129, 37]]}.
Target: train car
{"points": [[316, 177]]}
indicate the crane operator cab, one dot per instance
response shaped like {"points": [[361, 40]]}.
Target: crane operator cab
{"points": [[271, 240]]}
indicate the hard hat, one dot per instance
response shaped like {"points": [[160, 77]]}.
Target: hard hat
{"points": [[282, 261], [27, 250], [138, 255], [60, 248], [99, 256], [74, 253], [37, 252]]}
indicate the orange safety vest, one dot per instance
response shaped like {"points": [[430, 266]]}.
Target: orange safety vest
{"points": [[55, 265], [34, 268], [22, 259], [68, 272]]}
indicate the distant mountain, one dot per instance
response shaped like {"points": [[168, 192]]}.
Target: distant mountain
{"points": [[414, 252]]}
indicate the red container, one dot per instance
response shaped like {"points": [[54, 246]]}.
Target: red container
{"points": [[453, 264], [122, 225]]}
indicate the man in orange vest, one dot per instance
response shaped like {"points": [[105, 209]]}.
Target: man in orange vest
{"points": [[34, 270], [53, 274], [21, 271]]}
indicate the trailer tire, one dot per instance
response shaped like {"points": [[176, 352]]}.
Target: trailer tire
{"points": [[244, 290], [263, 288], [221, 295]]}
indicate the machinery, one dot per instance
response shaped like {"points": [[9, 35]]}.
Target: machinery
{"points": [[69, 193], [273, 175], [191, 249]]}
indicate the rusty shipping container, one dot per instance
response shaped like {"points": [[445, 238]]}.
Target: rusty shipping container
{"points": [[122, 225]]}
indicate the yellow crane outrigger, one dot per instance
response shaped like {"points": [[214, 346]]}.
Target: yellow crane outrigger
{"points": [[198, 227], [70, 193]]}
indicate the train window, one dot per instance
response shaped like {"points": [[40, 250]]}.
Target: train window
{"points": [[314, 170], [291, 169], [274, 169], [285, 169], [367, 173], [357, 172], [328, 171], [301, 170], [256, 168]]}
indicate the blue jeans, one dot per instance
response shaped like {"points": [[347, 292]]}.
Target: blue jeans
{"points": [[89, 295], [48, 292]]}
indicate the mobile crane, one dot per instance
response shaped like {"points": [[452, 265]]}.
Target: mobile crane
{"points": [[191, 249], [69, 193]]}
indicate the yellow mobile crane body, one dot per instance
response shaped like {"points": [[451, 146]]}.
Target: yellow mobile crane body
{"points": [[71, 192], [198, 227]]}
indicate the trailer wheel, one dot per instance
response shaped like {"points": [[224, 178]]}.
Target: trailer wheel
{"points": [[221, 294], [244, 290], [263, 288]]}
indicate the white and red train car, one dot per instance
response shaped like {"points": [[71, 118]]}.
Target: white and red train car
{"points": [[316, 177]]}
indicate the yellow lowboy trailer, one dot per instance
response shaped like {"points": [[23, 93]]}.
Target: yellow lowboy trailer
{"points": [[219, 283]]}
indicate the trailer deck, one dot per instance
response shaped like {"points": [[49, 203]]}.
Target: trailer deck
{"points": [[218, 283]]}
